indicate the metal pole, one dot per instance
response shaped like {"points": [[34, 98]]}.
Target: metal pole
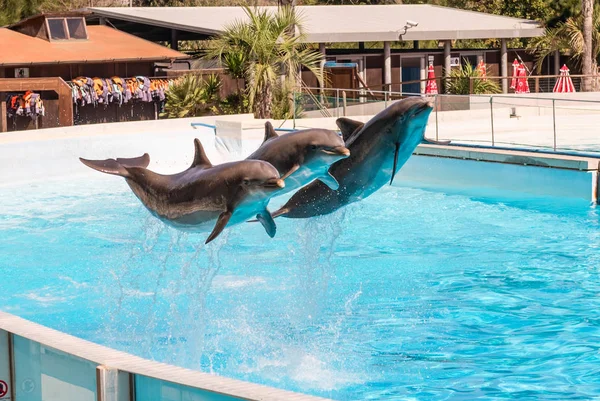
{"points": [[492, 117], [344, 102], [435, 99], [337, 103], [385, 97], [554, 121]]}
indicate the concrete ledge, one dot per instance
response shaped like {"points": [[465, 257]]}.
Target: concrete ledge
{"points": [[128, 363], [523, 158]]}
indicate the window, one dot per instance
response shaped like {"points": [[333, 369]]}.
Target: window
{"points": [[76, 28], [56, 28], [66, 28]]}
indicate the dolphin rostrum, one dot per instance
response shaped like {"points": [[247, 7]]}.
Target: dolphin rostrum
{"points": [[302, 156], [378, 149], [196, 198]]}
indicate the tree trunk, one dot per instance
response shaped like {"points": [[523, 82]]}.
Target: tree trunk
{"points": [[263, 102], [587, 9]]}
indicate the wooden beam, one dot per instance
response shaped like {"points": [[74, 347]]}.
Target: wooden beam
{"points": [[3, 120]]}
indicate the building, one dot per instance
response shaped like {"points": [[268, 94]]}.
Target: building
{"points": [[378, 68], [44, 52]]}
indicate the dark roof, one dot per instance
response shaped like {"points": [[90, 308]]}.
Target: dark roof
{"points": [[104, 44]]}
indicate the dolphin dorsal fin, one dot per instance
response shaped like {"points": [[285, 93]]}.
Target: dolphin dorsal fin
{"points": [[348, 126], [200, 158], [269, 132]]}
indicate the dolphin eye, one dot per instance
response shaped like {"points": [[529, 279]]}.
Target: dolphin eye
{"points": [[313, 147], [246, 181]]}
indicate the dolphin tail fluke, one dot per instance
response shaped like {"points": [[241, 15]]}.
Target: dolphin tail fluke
{"points": [[395, 162], [267, 222], [118, 166]]}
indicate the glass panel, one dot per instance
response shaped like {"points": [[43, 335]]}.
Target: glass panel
{"points": [[4, 367], [76, 28], [43, 373], [150, 389], [57, 28]]}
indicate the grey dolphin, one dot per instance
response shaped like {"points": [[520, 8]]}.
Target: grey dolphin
{"points": [[378, 149], [302, 156], [194, 199]]}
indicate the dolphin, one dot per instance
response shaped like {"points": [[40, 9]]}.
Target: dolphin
{"points": [[203, 195], [378, 149], [302, 156]]}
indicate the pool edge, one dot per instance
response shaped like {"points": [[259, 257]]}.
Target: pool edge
{"points": [[110, 359]]}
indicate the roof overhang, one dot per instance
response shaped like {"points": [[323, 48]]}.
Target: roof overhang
{"points": [[326, 24]]}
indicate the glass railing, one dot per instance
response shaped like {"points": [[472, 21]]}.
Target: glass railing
{"points": [[551, 122]]}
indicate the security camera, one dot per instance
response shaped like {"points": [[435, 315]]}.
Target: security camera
{"points": [[411, 24]]}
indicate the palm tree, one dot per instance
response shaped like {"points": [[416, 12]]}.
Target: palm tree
{"points": [[568, 37], [587, 9], [269, 49], [192, 95]]}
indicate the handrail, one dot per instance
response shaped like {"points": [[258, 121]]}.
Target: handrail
{"points": [[494, 101]]}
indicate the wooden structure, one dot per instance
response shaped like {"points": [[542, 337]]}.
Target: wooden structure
{"points": [[50, 49], [59, 111]]}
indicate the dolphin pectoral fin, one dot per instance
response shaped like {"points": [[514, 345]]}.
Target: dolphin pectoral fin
{"points": [[269, 132], [395, 163], [330, 181], [267, 222], [280, 212], [434, 142], [221, 223], [200, 158], [348, 126], [294, 168]]}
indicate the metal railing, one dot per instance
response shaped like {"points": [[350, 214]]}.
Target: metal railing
{"points": [[534, 121]]}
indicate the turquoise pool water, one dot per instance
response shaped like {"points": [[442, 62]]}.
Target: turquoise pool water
{"points": [[411, 294]]}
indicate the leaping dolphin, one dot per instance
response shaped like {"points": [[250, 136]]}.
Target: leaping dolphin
{"points": [[378, 149], [193, 200], [302, 156]]}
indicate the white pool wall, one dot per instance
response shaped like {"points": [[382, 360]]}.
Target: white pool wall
{"points": [[34, 156]]}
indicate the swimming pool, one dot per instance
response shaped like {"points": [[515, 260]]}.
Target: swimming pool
{"points": [[411, 294]]}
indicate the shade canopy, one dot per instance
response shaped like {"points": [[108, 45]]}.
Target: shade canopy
{"points": [[343, 23]]}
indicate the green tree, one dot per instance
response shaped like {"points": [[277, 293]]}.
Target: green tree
{"points": [[567, 37], [272, 53], [587, 11], [191, 96], [465, 79]]}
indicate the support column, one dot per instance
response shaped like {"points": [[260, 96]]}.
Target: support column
{"points": [[387, 66], [504, 65], [101, 21], [3, 119], [362, 75], [447, 67], [423, 74], [174, 41], [323, 52], [557, 62]]}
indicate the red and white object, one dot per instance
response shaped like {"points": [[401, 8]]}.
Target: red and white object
{"points": [[564, 83], [431, 88], [522, 84]]}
